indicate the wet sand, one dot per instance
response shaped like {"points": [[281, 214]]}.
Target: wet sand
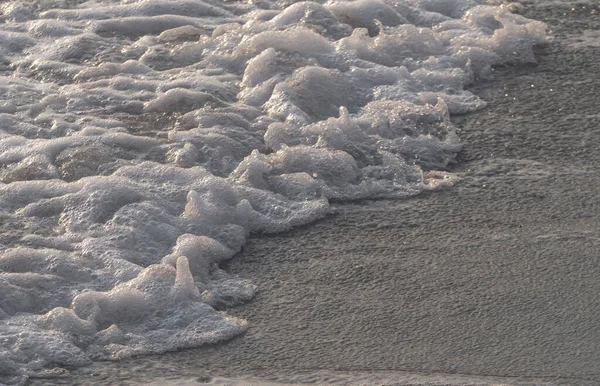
{"points": [[495, 280]]}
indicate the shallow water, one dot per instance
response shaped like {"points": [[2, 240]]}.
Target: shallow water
{"points": [[497, 275], [142, 142]]}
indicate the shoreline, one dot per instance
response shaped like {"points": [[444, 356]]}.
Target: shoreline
{"points": [[496, 275]]}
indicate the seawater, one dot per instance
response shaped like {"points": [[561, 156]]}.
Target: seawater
{"points": [[142, 141]]}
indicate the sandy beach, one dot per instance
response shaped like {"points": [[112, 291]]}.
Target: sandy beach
{"points": [[492, 281]]}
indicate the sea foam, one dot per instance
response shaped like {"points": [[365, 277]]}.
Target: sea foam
{"points": [[141, 142]]}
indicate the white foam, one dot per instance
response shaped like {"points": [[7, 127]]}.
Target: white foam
{"points": [[365, 13], [142, 141]]}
